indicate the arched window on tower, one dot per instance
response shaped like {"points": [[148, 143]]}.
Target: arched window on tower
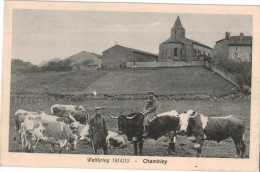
{"points": [[175, 51]]}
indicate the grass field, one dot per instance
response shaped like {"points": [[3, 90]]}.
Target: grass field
{"points": [[54, 82], [163, 81], [184, 148]]}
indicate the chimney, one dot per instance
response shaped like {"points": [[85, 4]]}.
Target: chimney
{"points": [[241, 36], [227, 35]]}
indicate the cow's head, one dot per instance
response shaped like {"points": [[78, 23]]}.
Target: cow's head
{"points": [[121, 122], [38, 133], [194, 127], [84, 134], [74, 141], [184, 119], [71, 121], [130, 124]]}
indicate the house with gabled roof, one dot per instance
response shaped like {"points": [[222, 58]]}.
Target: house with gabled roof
{"points": [[180, 48], [118, 56], [235, 48]]}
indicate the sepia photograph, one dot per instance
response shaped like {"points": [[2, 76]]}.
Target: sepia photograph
{"points": [[109, 85]]}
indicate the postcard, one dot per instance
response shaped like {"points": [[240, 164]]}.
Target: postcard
{"points": [[130, 86]]}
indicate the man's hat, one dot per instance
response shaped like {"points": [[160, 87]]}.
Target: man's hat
{"points": [[150, 92], [97, 108]]}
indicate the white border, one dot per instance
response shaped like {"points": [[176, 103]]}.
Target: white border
{"points": [[219, 2]]}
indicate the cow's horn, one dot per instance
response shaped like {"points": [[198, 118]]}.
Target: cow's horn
{"points": [[113, 117], [71, 117], [131, 117]]}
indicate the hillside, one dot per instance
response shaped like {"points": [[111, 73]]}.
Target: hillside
{"points": [[163, 81], [173, 81], [54, 82]]}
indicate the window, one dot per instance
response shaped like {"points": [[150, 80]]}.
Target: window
{"points": [[236, 48], [208, 54], [175, 51], [199, 52], [194, 52], [204, 52]]}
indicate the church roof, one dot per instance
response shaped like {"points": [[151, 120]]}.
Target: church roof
{"points": [[185, 41], [177, 23], [182, 39]]}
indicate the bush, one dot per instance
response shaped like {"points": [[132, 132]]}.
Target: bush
{"points": [[58, 66], [242, 70]]}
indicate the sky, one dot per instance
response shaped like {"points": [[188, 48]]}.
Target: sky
{"points": [[40, 35]]}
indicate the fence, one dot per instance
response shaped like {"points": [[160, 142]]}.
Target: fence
{"points": [[164, 64], [16, 99], [27, 98]]}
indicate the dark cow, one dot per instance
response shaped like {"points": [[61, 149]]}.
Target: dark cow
{"points": [[80, 115], [202, 128], [132, 126]]}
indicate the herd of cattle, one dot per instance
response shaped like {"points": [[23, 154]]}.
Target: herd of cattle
{"points": [[68, 124]]}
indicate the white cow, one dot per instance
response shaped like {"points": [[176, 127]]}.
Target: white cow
{"points": [[56, 108], [19, 118], [51, 132], [114, 140], [169, 113], [68, 119]]}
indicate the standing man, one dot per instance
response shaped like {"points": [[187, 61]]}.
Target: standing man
{"points": [[98, 131], [150, 112]]}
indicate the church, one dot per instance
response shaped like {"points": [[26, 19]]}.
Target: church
{"points": [[180, 48]]}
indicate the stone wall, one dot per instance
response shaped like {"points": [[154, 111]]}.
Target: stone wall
{"points": [[165, 64], [228, 76]]}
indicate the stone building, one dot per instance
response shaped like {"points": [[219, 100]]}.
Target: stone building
{"points": [[180, 48], [117, 57], [236, 48]]}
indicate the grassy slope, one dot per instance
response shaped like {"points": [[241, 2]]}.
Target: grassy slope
{"points": [[54, 82], [189, 80]]}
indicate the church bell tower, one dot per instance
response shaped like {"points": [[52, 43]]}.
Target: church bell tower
{"points": [[177, 30]]}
